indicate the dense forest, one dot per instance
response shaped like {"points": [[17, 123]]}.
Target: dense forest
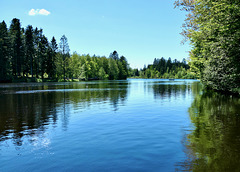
{"points": [[162, 68], [27, 55], [213, 29]]}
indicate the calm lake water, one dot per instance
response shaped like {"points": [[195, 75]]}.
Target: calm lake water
{"points": [[132, 125]]}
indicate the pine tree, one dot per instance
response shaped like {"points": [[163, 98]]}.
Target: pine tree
{"points": [[114, 55], [52, 55], [125, 67], [36, 61], [4, 53], [64, 49], [29, 50], [43, 55], [17, 47]]}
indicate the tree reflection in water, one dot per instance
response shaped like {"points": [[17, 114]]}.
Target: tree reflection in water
{"points": [[174, 89], [214, 144], [28, 109]]}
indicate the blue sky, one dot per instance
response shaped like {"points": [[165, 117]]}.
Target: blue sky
{"points": [[141, 30]]}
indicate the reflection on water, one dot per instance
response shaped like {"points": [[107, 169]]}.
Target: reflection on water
{"points": [[27, 109], [163, 90], [214, 144], [133, 125]]}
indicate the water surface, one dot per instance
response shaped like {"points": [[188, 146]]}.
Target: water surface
{"points": [[133, 125]]}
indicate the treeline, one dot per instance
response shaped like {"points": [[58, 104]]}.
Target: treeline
{"points": [[162, 68], [27, 55], [86, 67], [25, 52], [213, 29]]}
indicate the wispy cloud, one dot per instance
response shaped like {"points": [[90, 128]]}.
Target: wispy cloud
{"points": [[34, 12]]}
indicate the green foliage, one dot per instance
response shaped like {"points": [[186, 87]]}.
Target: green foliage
{"points": [[5, 70], [113, 69], [102, 74], [213, 29], [26, 53], [213, 145], [134, 73], [17, 49], [64, 51], [75, 65], [29, 50], [43, 54], [30, 54], [162, 68], [86, 67], [52, 56]]}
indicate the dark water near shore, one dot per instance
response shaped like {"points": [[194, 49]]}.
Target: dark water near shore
{"points": [[133, 125]]}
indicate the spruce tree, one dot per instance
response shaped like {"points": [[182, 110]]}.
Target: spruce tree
{"points": [[4, 53], [43, 55], [64, 50], [17, 47], [29, 50], [52, 55]]}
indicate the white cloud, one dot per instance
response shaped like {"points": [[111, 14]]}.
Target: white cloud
{"points": [[44, 12], [34, 12]]}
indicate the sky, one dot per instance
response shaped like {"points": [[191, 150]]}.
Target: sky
{"points": [[141, 30]]}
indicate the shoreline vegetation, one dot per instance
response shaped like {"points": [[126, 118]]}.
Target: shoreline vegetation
{"points": [[26, 55], [213, 30], [165, 69]]}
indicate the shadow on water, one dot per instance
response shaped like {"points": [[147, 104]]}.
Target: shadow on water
{"points": [[27, 109], [165, 90], [214, 143]]}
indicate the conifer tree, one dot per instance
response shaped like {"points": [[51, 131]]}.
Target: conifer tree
{"points": [[64, 50], [29, 50], [17, 47], [52, 55], [4, 53]]}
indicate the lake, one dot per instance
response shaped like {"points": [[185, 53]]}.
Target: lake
{"points": [[132, 125]]}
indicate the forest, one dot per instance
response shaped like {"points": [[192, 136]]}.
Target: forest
{"points": [[213, 30], [162, 68], [26, 55]]}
